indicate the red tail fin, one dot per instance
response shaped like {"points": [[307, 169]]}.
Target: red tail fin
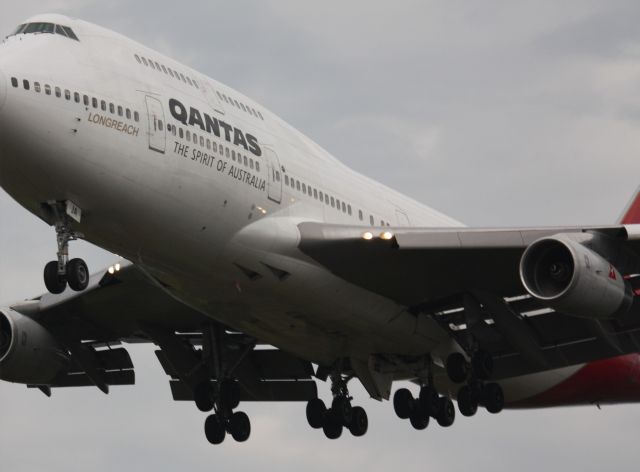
{"points": [[631, 214]]}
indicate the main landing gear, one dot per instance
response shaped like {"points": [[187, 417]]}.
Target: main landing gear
{"points": [[476, 390], [341, 414], [223, 400], [429, 404], [74, 272]]}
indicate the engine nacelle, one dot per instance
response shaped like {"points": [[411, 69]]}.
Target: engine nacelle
{"points": [[29, 354], [571, 278]]}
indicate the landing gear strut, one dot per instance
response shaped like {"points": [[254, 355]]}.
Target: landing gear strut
{"points": [[429, 404], [57, 274], [477, 391], [341, 414]]}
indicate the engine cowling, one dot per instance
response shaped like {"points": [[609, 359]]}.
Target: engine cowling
{"points": [[572, 278], [29, 354]]}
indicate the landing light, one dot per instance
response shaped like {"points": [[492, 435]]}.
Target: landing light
{"points": [[387, 235], [368, 235], [111, 270]]}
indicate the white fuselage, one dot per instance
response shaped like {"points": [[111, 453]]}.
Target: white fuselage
{"points": [[193, 214]]}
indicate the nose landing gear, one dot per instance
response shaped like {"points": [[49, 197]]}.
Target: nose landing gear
{"points": [[74, 272]]}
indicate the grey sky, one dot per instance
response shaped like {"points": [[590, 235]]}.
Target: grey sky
{"points": [[496, 112]]}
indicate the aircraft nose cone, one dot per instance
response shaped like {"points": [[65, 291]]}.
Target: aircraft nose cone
{"points": [[3, 88]]}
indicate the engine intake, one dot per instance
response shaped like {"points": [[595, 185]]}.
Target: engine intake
{"points": [[572, 278], [29, 353]]}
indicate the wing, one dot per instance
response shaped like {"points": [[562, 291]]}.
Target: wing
{"points": [[121, 305], [468, 280]]}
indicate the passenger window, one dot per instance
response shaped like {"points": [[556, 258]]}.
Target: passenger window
{"points": [[128, 114], [188, 134], [195, 84], [164, 69], [189, 81], [304, 188], [360, 214], [225, 98], [371, 219], [201, 141], [243, 108], [381, 223], [182, 77], [36, 86], [173, 130], [246, 162], [85, 100], [119, 110], [195, 138], [226, 151], [298, 185], [67, 94], [286, 179], [94, 102], [315, 193], [76, 97], [309, 192], [236, 102], [47, 89], [112, 108], [160, 125], [333, 202], [145, 62], [260, 114], [103, 105], [151, 64], [170, 72], [214, 146], [58, 92], [25, 84], [159, 69], [136, 116], [344, 208], [138, 58], [181, 133], [321, 195], [219, 95], [233, 154], [251, 163], [208, 144], [326, 198]]}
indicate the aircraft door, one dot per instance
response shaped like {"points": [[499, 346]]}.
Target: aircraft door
{"points": [[274, 189], [157, 125]]}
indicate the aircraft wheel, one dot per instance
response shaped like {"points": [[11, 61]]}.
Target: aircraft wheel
{"points": [[342, 409], [457, 367], [482, 365], [214, 429], [430, 401], [403, 403], [316, 411], [54, 282], [447, 413], [359, 422], [493, 397], [467, 401], [240, 426], [332, 426], [230, 394], [77, 274], [419, 418], [203, 396]]}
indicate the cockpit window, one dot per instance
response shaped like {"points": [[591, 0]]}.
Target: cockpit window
{"points": [[50, 28]]}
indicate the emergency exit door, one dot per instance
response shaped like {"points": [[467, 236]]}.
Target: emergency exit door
{"points": [[157, 125], [274, 190]]}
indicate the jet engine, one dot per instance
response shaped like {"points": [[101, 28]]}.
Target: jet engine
{"points": [[571, 278], [29, 354]]}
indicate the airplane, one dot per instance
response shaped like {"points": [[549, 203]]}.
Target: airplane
{"points": [[259, 265]]}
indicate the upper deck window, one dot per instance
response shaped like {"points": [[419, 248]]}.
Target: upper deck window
{"points": [[46, 28]]}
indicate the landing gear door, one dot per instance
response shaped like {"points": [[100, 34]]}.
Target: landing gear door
{"points": [[274, 189], [157, 125]]}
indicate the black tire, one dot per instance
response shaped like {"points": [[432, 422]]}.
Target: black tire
{"points": [[447, 414], [493, 397], [457, 367], [403, 403], [342, 409], [203, 396], [482, 365], [419, 418], [214, 429], [430, 401], [77, 274], [54, 282], [467, 401], [240, 426], [230, 394], [316, 411], [332, 426], [359, 422]]}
